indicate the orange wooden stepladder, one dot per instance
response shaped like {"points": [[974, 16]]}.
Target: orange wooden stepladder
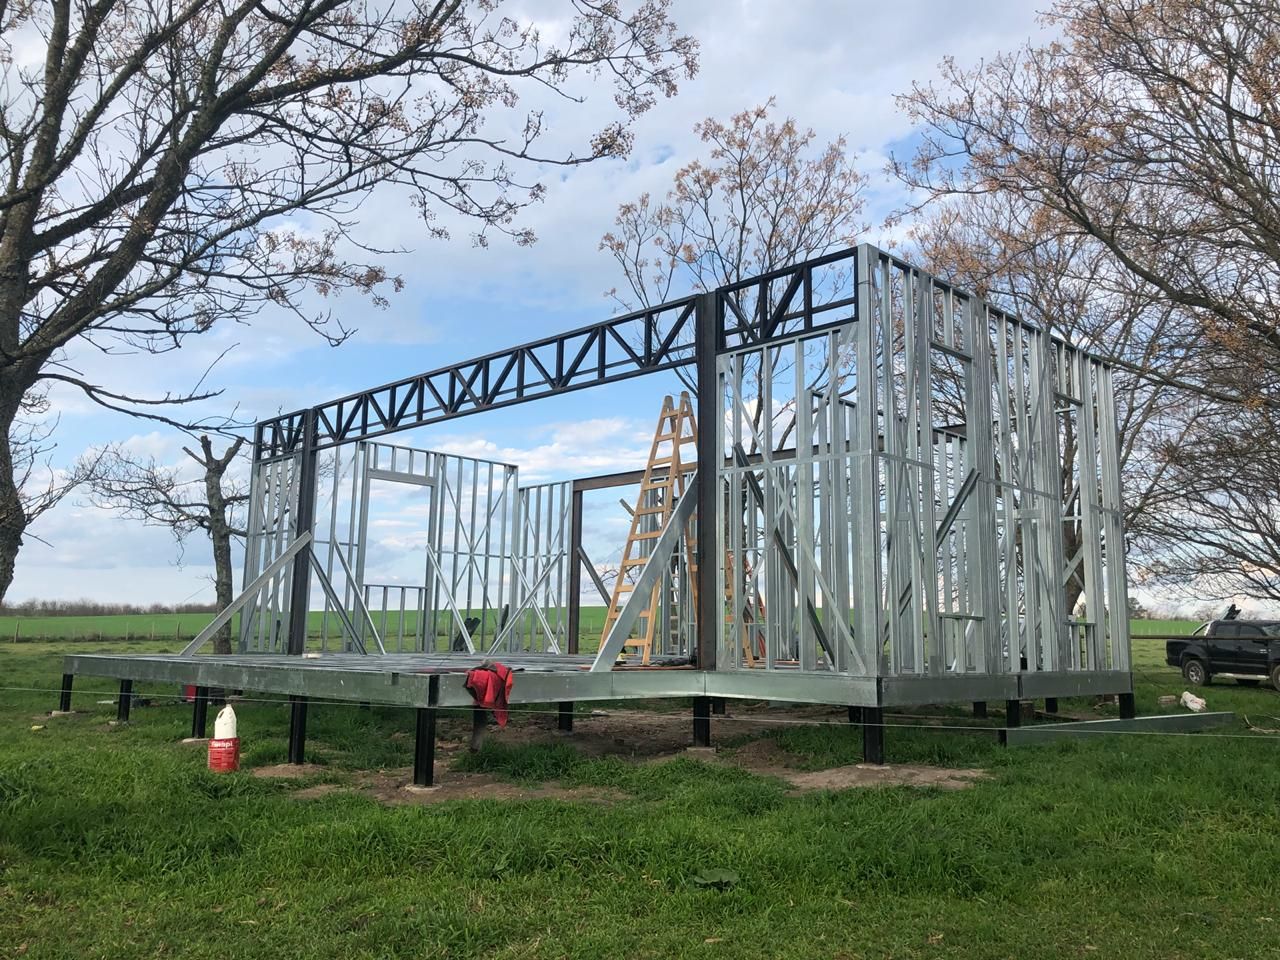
{"points": [[666, 478]]}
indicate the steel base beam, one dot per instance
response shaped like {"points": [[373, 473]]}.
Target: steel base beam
{"points": [[124, 701], [873, 735], [200, 713], [424, 747], [297, 729], [702, 721], [64, 698]]}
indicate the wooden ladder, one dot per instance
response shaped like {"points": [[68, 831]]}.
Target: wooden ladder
{"points": [[665, 478]]}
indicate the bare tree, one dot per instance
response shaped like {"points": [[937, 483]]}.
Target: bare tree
{"points": [[1153, 128], [166, 167], [766, 196], [143, 489], [1016, 256]]}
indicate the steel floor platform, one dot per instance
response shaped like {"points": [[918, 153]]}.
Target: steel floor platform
{"points": [[426, 683], [407, 680]]}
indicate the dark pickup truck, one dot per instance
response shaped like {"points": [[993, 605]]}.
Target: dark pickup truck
{"points": [[1246, 651]]}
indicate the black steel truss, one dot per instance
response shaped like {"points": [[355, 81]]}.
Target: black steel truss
{"points": [[807, 297]]}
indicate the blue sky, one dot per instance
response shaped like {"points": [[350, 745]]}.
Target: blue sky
{"points": [[833, 66]]}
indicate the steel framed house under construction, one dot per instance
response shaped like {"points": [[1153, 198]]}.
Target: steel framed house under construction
{"points": [[885, 466]]}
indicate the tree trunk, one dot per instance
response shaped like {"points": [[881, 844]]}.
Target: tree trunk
{"points": [[13, 514], [13, 518], [220, 534]]}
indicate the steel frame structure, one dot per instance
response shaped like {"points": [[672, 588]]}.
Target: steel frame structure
{"points": [[881, 484]]}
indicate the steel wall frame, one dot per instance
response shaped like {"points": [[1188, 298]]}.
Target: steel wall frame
{"points": [[982, 596]]}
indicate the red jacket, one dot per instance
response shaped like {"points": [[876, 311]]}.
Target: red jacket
{"points": [[491, 685]]}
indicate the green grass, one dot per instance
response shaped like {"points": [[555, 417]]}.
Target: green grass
{"points": [[114, 842]]}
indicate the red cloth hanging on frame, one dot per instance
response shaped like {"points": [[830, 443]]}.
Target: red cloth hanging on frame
{"points": [[490, 684]]}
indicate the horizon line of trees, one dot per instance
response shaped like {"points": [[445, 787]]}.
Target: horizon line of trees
{"points": [[85, 607]]}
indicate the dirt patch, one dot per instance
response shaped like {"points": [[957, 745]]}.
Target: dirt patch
{"points": [[765, 758], [393, 787], [289, 771], [867, 775]]}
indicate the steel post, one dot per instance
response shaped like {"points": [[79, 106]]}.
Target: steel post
{"points": [[1050, 704], [873, 735], [855, 715], [574, 553], [64, 698], [1128, 706], [304, 520], [702, 721], [980, 709], [200, 713], [710, 458], [123, 702], [718, 706], [1013, 713], [564, 720], [424, 747], [297, 728]]}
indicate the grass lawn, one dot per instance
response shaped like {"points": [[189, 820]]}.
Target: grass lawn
{"points": [[115, 842]]}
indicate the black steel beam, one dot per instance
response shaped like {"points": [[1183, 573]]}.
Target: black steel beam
{"points": [[303, 519], [873, 735], [709, 613], [297, 729], [64, 696], [702, 721], [424, 747], [616, 349], [1128, 706], [200, 713], [124, 701]]}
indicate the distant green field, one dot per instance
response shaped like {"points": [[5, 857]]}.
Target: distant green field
{"points": [[184, 626], [1180, 627]]}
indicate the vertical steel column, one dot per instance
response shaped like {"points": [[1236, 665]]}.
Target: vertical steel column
{"points": [[710, 612], [200, 713], [1128, 706], [702, 721], [873, 735], [123, 702], [424, 741], [865, 471], [297, 728], [304, 520], [574, 554], [64, 698], [564, 719], [1050, 704], [980, 709]]}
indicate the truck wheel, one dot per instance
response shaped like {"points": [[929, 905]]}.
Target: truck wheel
{"points": [[1275, 676], [1248, 683], [1195, 673]]}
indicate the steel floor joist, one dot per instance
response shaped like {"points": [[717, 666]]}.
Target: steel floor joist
{"points": [[404, 680]]}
